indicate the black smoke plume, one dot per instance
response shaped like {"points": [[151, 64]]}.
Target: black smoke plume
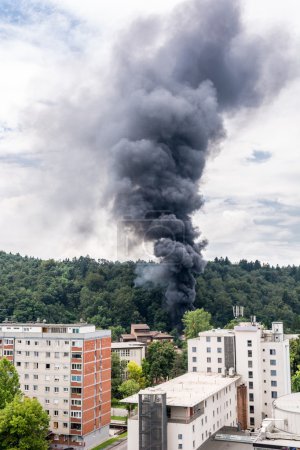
{"points": [[176, 79]]}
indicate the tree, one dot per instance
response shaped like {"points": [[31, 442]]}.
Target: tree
{"points": [[117, 374], [159, 363], [116, 332], [129, 387], [180, 365], [196, 321], [23, 425], [135, 373], [9, 382], [296, 381]]}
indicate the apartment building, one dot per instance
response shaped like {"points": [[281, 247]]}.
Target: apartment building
{"points": [[68, 369], [129, 351], [141, 333], [260, 357], [182, 413]]}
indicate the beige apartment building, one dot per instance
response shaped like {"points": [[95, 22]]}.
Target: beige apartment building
{"points": [[68, 369]]}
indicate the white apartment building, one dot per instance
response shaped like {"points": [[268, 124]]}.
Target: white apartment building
{"points": [[182, 413], [67, 368], [129, 351], [260, 357]]}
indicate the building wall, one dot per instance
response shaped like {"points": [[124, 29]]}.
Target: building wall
{"points": [[261, 358], [70, 375], [187, 433]]}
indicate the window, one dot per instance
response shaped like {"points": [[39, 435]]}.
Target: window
{"points": [[48, 343], [26, 376], [66, 389], [274, 383], [75, 402], [252, 421], [47, 389], [55, 412], [65, 425], [273, 373], [180, 446], [272, 362], [35, 388], [250, 374], [26, 365], [209, 369], [75, 426], [47, 401], [219, 360], [251, 409], [219, 350], [56, 389], [274, 394], [36, 343], [76, 414], [19, 352], [76, 378], [66, 377], [36, 354], [194, 349], [48, 354], [56, 355], [219, 370], [67, 342], [194, 359], [75, 330], [249, 353], [250, 384], [249, 343], [272, 351], [75, 390], [26, 387], [208, 349], [208, 360], [219, 339], [47, 366], [55, 424], [250, 365], [66, 400], [27, 342], [8, 352], [66, 354], [76, 343], [207, 338], [76, 355], [18, 364], [251, 397], [35, 377], [56, 378], [27, 353], [79, 366], [35, 365]]}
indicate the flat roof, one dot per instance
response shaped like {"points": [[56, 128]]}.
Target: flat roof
{"points": [[127, 344], [45, 324], [189, 389], [289, 403]]}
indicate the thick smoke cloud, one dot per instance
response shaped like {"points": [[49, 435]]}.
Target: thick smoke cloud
{"points": [[174, 81]]}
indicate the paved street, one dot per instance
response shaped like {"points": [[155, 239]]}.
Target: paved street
{"points": [[118, 446]]}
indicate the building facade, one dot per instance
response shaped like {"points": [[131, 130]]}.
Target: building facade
{"points": [[141, 332], [68, 369], [182, 413], [129, 351], [260, 357]]}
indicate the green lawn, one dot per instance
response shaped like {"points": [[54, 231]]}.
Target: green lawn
{"points": [[110, 441], [123, 418]]}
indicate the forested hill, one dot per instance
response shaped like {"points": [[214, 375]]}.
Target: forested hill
{"points": [[103, 292]]}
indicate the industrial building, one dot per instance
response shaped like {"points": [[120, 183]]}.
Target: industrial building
{"points": [[68, 369]]}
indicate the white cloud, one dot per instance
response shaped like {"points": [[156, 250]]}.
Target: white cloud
{"points": [[64, 55]]}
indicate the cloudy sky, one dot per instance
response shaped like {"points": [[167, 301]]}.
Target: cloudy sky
{"points": [[55, 68]]}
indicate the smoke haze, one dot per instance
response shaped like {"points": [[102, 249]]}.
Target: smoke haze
{"points": [[174, 81]]}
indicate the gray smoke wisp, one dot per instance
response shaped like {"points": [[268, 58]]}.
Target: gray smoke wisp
{"points": [[175, 81]]}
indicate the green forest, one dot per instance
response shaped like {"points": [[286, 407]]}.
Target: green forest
{"points": [[103, 292]]}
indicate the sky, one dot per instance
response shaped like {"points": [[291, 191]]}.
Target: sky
{"points": [[56, 62]]}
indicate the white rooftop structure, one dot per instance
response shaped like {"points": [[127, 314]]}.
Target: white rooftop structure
{"points": [[189, 389]]}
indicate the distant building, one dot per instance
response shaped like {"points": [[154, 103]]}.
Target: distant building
{"points": [[182, 413], [260, 356], [68, 369], [129, 351], [142, 333]]}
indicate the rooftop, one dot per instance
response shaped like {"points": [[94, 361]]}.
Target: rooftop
{"points": [[290, 403], [189, 389], [134, 344]]}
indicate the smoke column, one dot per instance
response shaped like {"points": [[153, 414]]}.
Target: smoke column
{"points": [[174, 82]]}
